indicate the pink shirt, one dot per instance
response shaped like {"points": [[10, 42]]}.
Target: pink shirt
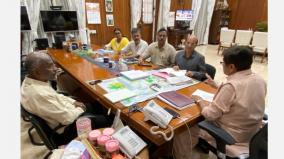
{"points": [[238, 105]]}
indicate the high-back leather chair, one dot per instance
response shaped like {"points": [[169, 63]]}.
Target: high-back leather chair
{"points": [[257, 147], [46, 134]]}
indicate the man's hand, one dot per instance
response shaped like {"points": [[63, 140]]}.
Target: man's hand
{"points": [[140, 61], [80, 104], [210, 81], [176, 68], [196, 98], [189, 73]]}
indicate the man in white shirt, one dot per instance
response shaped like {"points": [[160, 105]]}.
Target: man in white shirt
{"points": [[39, 98], [135, 47]]}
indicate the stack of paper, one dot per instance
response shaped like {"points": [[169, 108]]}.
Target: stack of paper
{"points": [[134, 74], [119, 95], [204, 95], [172, 72], [179, 80]]}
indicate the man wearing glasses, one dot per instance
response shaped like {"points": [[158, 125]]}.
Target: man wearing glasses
{"points": [[190, 60]]}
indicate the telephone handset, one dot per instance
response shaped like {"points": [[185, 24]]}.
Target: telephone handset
{"points": [[130, 143], [152, 111], [157, 114]]}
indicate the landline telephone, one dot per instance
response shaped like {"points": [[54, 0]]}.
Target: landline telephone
{"points": [[152, 111], [130, 143]]}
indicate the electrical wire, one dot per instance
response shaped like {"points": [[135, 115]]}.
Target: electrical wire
{"points": [[190, 139]]}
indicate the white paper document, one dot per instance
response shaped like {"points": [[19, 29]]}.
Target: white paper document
{"points": [[179, 80], [173, 72], [204, 95], [119, 95], [134, 74]]}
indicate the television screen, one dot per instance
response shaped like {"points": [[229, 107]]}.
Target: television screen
{"points": [[25, 23], [59, 21], [184, 15]]}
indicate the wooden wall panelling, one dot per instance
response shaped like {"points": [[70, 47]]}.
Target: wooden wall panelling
{"points": [[146, 32], [180, 4], [121, 15], [245, 14], [98, 37]]}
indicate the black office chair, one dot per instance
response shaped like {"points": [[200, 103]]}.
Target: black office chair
{"points": [[257, 146], [211, 70], [46, 134]]}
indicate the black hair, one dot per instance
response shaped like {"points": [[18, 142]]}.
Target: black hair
{"points": [[240, 56], [162, 29], [135, 30], [116, 29]]}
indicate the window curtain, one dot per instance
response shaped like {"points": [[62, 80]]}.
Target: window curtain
{"points": [[203, 11], [33, 9], [164, 10], [33, 13], [136, 8], [79, 6]]}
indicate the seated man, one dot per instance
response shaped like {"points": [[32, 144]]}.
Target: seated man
{"points": [[190, 60], [39, 98], [161, 53], [117, 43], [137, 46], [238, 106]]}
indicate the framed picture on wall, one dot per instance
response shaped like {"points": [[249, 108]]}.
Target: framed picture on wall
{"points": [[109, 6], [109, 20]]}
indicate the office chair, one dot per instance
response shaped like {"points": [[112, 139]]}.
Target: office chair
{"points": [[46, 134], [257, 146], [211, 70]]}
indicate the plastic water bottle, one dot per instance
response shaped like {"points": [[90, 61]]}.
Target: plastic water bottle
{"points": [[84, 126], [122, 66]]}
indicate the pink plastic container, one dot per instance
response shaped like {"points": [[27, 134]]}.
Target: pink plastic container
{"points": [[108, 131], [83, 126], [112, 148], [93, 136], [101, 140]]}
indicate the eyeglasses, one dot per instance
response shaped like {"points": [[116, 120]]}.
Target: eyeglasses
{"points": [[117, 33]]}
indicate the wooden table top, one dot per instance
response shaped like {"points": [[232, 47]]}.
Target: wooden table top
{"points": [[82, 70]]}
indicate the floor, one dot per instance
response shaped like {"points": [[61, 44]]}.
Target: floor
{"points": [[211, 57]]}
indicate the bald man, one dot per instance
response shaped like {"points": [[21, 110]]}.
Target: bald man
{"points": [[39, 98], [189, 59]]}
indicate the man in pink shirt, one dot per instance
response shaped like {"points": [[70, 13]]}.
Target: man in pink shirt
{"points": [[238, 106]]}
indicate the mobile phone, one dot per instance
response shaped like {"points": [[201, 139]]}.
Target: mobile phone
{"points": [[95, 82], [172, 112]]}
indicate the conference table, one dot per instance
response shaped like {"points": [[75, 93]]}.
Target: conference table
{"points": [[82, 71]]}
